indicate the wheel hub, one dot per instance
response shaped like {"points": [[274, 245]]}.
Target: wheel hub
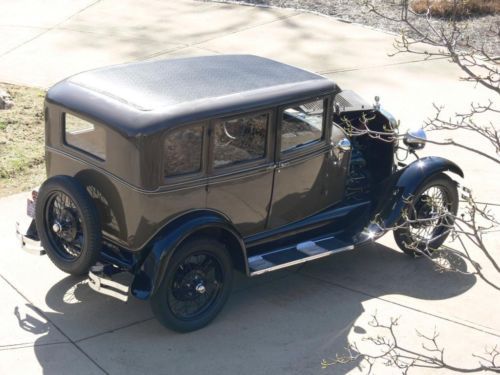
{"points": [[429, 214], [200, 288], [57, 227], [65, 226], [423, 210], [191, 285], [196, 284]]}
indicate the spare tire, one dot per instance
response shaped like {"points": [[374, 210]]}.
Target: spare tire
{"points": [[68, 225]]}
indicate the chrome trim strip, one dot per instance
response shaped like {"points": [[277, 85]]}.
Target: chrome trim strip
{"points": [[233, 176], [202, 181], [310, 248], [161, 190], [102, 285], [316, 218], [303, 260], [264, 264], [288, 248], [297, 159]]}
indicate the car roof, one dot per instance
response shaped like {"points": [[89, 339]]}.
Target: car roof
{"points": [[144, 97]]}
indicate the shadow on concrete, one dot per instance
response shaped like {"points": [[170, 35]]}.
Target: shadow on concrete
{"points": [[285, 322]]}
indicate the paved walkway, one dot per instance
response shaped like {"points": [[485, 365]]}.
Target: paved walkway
{"points": [[285, 323]]}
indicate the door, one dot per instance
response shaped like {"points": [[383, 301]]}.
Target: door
{"points": [[308, 177], [241, 169]]}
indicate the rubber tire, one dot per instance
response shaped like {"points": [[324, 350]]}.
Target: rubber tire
{"points": [[402, 235], [159, 303], [91, 227]]}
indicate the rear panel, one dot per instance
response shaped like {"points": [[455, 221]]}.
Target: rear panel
{"points": [[131, 213]]}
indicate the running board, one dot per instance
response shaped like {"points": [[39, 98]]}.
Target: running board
{"points": [[290, 256]]}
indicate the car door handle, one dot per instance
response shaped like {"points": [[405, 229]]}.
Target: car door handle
{"points": [[271, 167]]}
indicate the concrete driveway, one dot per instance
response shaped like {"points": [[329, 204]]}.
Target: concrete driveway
{"points": [[284, 323]]}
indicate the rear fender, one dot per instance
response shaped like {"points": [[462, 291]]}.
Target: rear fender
{"points": [[160, 249], [403, 185]]}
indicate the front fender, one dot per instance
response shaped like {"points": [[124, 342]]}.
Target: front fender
{"points": [[160, 249], [403, 185]]}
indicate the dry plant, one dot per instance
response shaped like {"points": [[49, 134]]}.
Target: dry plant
{"points": [[468, 230], [387, 350], [463, 8], [476, 220]]}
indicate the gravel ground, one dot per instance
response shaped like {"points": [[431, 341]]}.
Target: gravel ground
{"points": [[478, 28]]}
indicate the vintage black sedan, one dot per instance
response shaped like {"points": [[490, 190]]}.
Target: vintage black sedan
{"points": [[179, 171]]}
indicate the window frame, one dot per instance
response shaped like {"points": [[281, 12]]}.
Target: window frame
{"points": [[189, 176], [78, 149], [247, 164], [310, 146]]}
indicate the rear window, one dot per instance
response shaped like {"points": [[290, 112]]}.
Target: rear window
{"points": [[85, 136], [182, 153]]}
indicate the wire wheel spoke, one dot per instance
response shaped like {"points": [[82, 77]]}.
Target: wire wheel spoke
{"points": [[63, 225], [195, 285], [430, 215]]}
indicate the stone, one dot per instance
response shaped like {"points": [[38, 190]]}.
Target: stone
{"points": [[6, 101]]}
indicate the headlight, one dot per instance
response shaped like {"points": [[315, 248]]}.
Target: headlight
{"points": [[415, 139]]}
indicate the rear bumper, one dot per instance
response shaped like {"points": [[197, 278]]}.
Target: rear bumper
{"points": [[28, 240], [100, 277], [100, 280]]}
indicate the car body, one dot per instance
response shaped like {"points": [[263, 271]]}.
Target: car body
{"points": [[245, 150]]}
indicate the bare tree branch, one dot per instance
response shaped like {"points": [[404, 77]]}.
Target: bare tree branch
{"points": [[392, 353]]}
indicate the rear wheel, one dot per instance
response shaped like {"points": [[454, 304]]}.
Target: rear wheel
{"points": [[68, 225], [195, 287], [429, 217]]}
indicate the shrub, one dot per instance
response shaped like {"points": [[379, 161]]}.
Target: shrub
{"points": [[463, 8]]}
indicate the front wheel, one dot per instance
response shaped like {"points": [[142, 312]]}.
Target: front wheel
{"points": [[196, 285], [429, 217]]}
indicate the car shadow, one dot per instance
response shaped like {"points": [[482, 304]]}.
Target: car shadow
{"points": [[284, 322]]}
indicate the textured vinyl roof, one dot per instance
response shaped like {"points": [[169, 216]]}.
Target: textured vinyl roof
{"points": [[155, 84], [179, 87]]}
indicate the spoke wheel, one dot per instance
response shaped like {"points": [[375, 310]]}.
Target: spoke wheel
{"points": [[63, 225], [429, 217], [195, 287], [430, 214], [68, 225]]}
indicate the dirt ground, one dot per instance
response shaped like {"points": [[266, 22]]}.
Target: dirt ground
{"points": [[21, 140]]}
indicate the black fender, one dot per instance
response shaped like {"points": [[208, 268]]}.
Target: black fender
{"points": [[160, 249], [394, 194]]}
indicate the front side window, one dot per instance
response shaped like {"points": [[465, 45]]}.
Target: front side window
{"points": [[302, 124], [240, 140], [85, 136], [183, 149]]}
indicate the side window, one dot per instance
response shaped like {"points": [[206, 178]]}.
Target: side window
{"points": [[239, 140], [182, 152], [85, 136], [302, 124]]}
